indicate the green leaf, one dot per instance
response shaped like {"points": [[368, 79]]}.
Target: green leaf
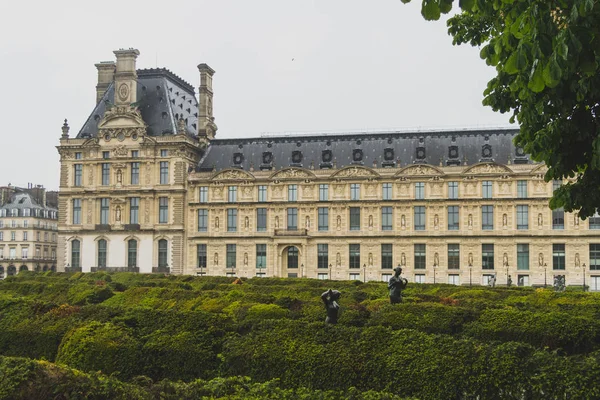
{"points": [[511, 64], [466, 5], [552, 73], [589, 67], [536, 80], [430, 10], [446, 6]]}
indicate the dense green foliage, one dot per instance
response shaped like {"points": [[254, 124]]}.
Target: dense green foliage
{"points": [[547, 58], [154, 336]]}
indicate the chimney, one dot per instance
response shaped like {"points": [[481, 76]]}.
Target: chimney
{"points": [[125, 77], [106, 73], [206, 122]]}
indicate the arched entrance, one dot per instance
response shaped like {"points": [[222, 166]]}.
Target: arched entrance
{"points": [[45, 268], [23, 268], [12, 270], [53, 268], [1, 272]]}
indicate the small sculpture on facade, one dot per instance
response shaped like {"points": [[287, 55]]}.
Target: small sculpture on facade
{"points": [[559, 283], [339, 222], [395, 285], [470, 220], [436, 221], [370, 221], [118, 214], [338, 259], [246, 222], [370, 258], [540, 219], [541, 259], [276, 222], [403, 260], [119, 176], [436, 259], [216, 259], [403, 221], [330, 299], [245, 258], [216, 222], [505, 260], [470, 259], [307, 223], [577, 261], [504, 219]]}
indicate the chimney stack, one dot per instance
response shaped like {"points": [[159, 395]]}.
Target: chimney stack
{"points": [[206, 122], [126, 77], [106, 74]]}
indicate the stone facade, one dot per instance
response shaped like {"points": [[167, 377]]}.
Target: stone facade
{"points": [[451, 207]]}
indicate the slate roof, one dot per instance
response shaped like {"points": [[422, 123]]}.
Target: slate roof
{"points": [[162, 98], [22, 199], [464, 147]]}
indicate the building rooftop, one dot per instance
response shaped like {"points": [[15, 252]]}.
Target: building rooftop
{"points": [[385, 149]]}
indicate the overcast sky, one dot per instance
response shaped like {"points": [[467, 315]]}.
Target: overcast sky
{"points": [[281, 66]]}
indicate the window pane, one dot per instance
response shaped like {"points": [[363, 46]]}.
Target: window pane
{"points": [[387, 191], [487, 217], [453, 256], [354, 250], [323, 220], [453, 190], [419, 218], [558, 219], [204, 194], [453, 221], [523, 256], [386, 256], [522, 217], [261, 256], [232, 194], [261, 219], [322, 255], [231, 219], [420, 257], [419, 190], [292, 219], [486, 189], [386, 218], [231, 256], [201, 256], [558, 256], [355, 191], [594, 256], [292, 193], [162, 253], [262, 193], [487, 256], [135, 173], [354, 218], [522, 189], [323, 192], [202, 220]]}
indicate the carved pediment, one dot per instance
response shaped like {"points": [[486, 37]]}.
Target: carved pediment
{"points": [[232, 174], [355, 172], [540, 170], [122, 117], [487, 168], [292, 173], [420, 170]]}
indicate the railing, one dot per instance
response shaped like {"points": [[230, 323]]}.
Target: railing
{"points": [[291, 232]]}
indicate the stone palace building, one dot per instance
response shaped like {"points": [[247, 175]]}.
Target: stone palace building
{"points": [[146, 186]]}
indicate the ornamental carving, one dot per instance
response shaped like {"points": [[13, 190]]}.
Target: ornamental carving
{"points": [[232, 175], [419, 170], [292, 173], [488, 168], [353, 172]]}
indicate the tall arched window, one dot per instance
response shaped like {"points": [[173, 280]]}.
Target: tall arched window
{"points": [[162, 253], [292, 257], [132, 253], [75, 253], [102, 253]]}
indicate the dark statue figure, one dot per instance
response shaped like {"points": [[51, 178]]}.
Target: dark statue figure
{"points": [[509, 281], [396, 285], [330, 299]]}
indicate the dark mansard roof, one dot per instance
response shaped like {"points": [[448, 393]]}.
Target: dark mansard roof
{"points": [[162, 98], [465, 147]]}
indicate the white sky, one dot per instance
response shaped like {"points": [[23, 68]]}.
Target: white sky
{"points": [[281, 66]]}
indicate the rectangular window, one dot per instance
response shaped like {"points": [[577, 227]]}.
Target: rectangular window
{"points": [[322, 256], [261, 256], [106, 155], [262, 193], [164, 153], [292, 219], [387, 191], [522, 256], [232, 194], [135, 154], [487, 256], [487, 218], [386, 256], [354, 276], [556, 184], [419, 218], [594, 257], [102, 253], [558, 218], [354, 255], [76, 211], [201, 256], [163, 210], [453, 221], [558, 256], [78, 156], [355, 218], [355, 191], [595, 221], [164, 172], [522, 217], [522, 189], [454, 256], [203, 220], [78, 174], [132, 254], [25, 253], [261, 219], [232, 219], [419, 190], [25, 236], [75, 253], [134, 210], [292, 192], [387, 220], [323, 219], [420, 257], [135, 173], [105, 174], [322, 276], [1, 236], [104, 207], [419, 278], [386, 277], [203, 194], [231, 256], [453, 190], [323, 192], [486, 189]]}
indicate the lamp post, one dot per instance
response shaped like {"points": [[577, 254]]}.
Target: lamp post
{"points": [[584, 277], [434, 272], [330, 271], [364, 272], [545, 267], [302, 268], [507, 284]]}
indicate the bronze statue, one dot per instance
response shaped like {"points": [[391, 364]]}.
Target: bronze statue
{"points": [[396, 285], [330, 299]]}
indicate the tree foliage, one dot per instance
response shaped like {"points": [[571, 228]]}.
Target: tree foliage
{"points": [[547, 55]]}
